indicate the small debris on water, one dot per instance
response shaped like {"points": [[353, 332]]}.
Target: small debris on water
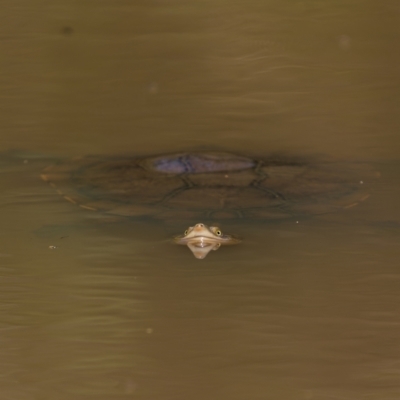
{"points": [[149, 330], [153, 88], [26, 161], [67, 30], [344, 42], [361, 182], [52, 247]]}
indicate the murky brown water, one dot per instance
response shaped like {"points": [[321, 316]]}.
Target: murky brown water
{"points": [[307, 310]]}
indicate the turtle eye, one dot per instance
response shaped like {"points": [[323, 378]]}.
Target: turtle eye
{"points": [[186, 232], [218, 232]]}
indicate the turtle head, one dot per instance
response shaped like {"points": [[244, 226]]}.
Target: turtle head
{"points": [[201, 239]]}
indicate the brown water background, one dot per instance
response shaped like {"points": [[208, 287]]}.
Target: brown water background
{"points": [[306, 309]]}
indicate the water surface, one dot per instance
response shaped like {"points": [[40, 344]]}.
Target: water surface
{"points": [[305, 308]]}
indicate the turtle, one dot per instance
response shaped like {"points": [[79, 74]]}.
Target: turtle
{"points": [[213, 185]]}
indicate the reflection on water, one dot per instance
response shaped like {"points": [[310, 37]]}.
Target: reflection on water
{"points": [[93, 307]]}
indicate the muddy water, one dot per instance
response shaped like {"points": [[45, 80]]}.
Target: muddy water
{"points": [[98, 308]]}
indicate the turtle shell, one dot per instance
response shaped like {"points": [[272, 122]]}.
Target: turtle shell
{"points": [[209, 185]]}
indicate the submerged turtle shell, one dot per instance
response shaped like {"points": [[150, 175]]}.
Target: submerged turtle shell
{"points": [[208, 185]]}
